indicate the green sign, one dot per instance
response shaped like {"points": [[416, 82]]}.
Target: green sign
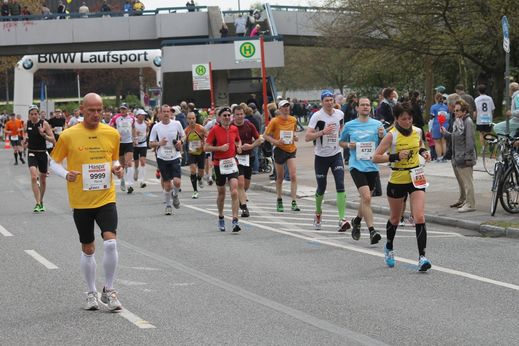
{"points": [[200, 70], [247, 50]]}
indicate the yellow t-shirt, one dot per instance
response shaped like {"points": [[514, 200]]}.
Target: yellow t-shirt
{"points": [[90, 152], [281, 128], [401, 173]]}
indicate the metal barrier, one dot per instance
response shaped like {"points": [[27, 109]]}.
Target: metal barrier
{"points": [[191, 41]]}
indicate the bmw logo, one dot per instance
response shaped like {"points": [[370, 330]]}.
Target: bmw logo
{"points": [[27, 64], [157, 61]]}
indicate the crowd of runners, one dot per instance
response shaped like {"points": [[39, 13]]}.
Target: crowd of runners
{"points": [[223, 149]]}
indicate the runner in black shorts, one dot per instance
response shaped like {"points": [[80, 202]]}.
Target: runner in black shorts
{"points": [[224, 142], [195, 139], [250, 139], [37, 132], [140, 146], [91, 193], [361, 136]]}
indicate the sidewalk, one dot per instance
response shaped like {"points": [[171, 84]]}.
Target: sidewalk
{"points": [[442, 191]]}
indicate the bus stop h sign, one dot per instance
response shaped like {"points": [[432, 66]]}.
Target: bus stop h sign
{"points": [[247, 51]]}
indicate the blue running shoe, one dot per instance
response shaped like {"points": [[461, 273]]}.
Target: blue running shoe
{"points": [[389, 257], [423, 264], [221, 225], [235, 226]]}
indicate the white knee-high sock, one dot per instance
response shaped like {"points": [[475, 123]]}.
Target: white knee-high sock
{"points": [[87, 264], [167, 197], [129, 176], [110, 259], [142, 169]]}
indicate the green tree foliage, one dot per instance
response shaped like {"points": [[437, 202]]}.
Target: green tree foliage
{"points": [[463, 38]]}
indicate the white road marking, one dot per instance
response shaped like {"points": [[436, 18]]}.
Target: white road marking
{"points": [[48, 264], [5, 232], [370, 252], [132, 318]]}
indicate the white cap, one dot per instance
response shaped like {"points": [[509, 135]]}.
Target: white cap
{"points": [[282, 103]]}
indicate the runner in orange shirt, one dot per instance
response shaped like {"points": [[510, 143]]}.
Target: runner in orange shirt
{"points": [[14, 129]]}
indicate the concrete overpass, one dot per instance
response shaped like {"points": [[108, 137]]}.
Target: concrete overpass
{"points": [[185, 38]]}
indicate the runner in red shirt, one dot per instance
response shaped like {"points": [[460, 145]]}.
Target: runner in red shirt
{"points": [[224, 141]]}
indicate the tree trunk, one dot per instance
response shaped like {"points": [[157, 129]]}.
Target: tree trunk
{"points": [[429, 92]]}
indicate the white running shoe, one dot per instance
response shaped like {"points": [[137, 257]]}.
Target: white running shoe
{"points": [[109, 297], [91, 301], [123, 185]]}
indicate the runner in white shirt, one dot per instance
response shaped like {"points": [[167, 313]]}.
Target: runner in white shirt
{"points": [[324, 128], [140, 149], [484, 111], [167, 136], [124, 123]]}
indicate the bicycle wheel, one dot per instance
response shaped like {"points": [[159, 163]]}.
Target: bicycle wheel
{"points": [[490, 152], [509, 194], [498, 172]]}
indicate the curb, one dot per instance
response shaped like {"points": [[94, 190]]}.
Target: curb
{"points": [[485, 230]]}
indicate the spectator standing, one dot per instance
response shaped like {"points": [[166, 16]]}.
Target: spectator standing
{"points": [[138, 7], [385, 111], [45, 11], [105, 8], [483, 113], [416, 107], [440, 115], [83, 10], [5, 8], [239, 25], [191, 7], [15, 8], [256, 31], [224, 31], [250, 23], [62, 9], [463, 155], [350, 113], [127, 8]]}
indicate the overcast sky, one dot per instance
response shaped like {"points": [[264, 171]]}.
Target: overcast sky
{"points": [[227, 4]]}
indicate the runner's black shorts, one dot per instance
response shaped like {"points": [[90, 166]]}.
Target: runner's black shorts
{"points": [[125, 148], [169, 169], [400, 190], [281, 156], [16, 143], [38, 159], [364, 178], [198, 160], [246, 171], [221, 179], [105, 217], [484, 128], [139, 152]]}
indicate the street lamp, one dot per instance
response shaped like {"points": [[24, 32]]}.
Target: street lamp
{"points": [[239, 5]]}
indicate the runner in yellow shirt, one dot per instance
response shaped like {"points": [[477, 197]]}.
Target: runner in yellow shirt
{"points": [[92, 151]]}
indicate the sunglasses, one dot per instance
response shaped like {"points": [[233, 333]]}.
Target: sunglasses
{"points": [[225, 115]]}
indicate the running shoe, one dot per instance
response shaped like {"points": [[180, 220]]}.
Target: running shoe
{"points": [[235, 226], [130, 190], [402, 222], [42, 208], [36, 208], [344, 225], [210, 181], [16, 163], [22, 160], [374, 237], [123, 185], [143, 185], [221, 225], [194, 195], [176, 201], [279, 206], [109, 297], [245, 212], [411, 221], [423, 264], [201, 183], [169, 210], [157, 174], [91, 301], [389, 257], [317, 221], [295, 207], [355, 230]]}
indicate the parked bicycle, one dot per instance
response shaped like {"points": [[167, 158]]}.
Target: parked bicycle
{"points": [[505, 184], [490, 153]]}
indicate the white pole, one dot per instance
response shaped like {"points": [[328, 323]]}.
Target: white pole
{"points": [[78, 90]]}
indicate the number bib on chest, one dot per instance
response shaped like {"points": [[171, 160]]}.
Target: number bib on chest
{"points": [[418, 178], [168, 152], [364, 150], [194, 146], [286, 137], [14, 138], [96, 176], [228, 166], [243, 160], [124, 128], [58, 130], [330, 140]]}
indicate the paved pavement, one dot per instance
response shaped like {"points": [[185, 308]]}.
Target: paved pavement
{"points": [[442, 192]]}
